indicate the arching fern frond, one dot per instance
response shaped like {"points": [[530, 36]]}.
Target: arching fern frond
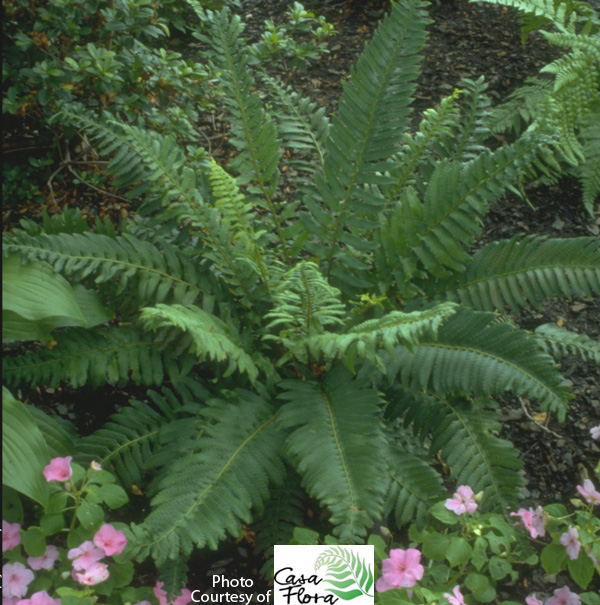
{"points": [[211, 337], [129, 440], [523, 272], [462, 433], [589, 172], [414, 486], [560, 342], [371, 121], [366, 339], [93, 357], [301, 124], [209, 493], [254, 131], [456, 199], [338, 446], [283, 512], [134, 264], [475, 355]]}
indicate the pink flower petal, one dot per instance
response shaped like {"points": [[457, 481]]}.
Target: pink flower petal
{"points": [[59, 469]]}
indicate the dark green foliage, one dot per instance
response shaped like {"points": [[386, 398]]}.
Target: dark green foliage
{"points": [[305, 340]]}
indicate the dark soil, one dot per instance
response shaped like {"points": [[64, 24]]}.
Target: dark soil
{"points": [[466, 40]]}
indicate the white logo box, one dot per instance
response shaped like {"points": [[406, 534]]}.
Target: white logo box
{"points": [[320, 575]]}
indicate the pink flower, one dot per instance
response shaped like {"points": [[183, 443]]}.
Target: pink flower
{"points": [[183, 599], [85, 555], [10, 535], [570, 541], [46, 561], [39, 598], [94, 574], [16, 577], [59, 469], [462, 502], [595, 432], [589, 493], [457, 599], [112, 541], [95, 466], [563, 596], [533, 600], [532, 520], [402, 569]]}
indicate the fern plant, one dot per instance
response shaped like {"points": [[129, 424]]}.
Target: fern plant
{"points": [[338, 340], [565, 98]]}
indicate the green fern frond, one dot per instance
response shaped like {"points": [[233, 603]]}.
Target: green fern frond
{"points": [[414, 487], [283, 513], [456, 199], [112, 140], [589, 172], [133, 263], [131, 438], [366, 339], [238, 215], [338, 446], [549, 10], [301, 124], [521, 106], [211, 337], [210, 492], [463, 434], [560, 342], [475, 355], [254, 131], [418, 153], [93, 357], [465, 439], [305, 303], [371, 121], [523, 272], [173, 574]]}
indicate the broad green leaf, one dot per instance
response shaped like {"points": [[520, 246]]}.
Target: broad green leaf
{"points": [[36, 300], [24, 451]]}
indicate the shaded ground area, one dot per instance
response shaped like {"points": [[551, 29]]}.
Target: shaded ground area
{"points": [[465, 41]]}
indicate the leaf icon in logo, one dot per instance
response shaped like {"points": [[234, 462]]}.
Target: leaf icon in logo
{"points": [[349, 575]]}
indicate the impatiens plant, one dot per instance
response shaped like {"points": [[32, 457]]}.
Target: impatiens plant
{"points": [[333, 338], [73, 569]]}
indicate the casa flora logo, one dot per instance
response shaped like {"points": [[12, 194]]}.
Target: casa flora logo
{"points": [[324, 575]]}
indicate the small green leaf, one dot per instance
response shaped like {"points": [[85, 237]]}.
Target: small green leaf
{"points": [[480, 586], [91, 515], [499, 568], [52, 524], [554, 558], [581, 569], [458, 552], [34, 541], [114, 495], [435, 546]]}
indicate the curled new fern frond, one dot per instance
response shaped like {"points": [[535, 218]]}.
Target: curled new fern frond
{"points": [[305, 303]]}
